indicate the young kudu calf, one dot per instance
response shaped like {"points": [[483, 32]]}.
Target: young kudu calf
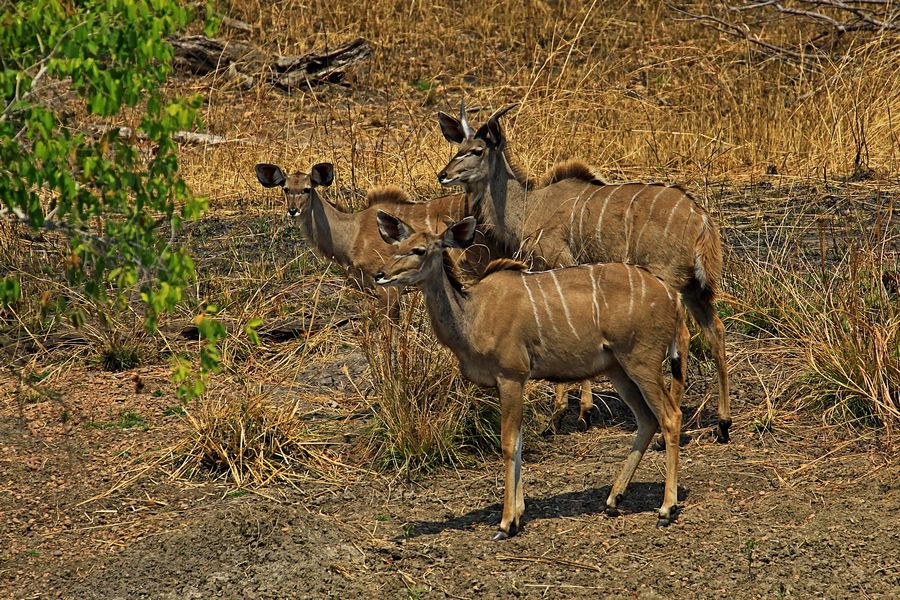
{"points": [[562, 325], [571, 218], [352, 239]]}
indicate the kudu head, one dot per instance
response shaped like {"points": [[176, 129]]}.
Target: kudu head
{"points": [[299, 187], [472, 162], [418, 256]]}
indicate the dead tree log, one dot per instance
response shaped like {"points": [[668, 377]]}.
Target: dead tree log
{"points": [[201, 55], [315, 68]]}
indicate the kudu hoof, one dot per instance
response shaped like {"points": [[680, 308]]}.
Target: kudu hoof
{"points": [[586, 419], [668, 520], [505, 535], [612, 511], [722, 431], [659, 445]]}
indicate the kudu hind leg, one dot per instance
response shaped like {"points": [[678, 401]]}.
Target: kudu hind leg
{"points": [[561, 404], [647, 425], [704, 313], [678, 366], [668, 414]]}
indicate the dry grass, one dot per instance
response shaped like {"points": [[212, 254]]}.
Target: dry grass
{"points": [[253, 441], [425, 413], [833, 309], [635, 89]]}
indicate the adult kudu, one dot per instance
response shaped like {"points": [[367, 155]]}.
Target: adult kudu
{"points": [[563, 325], [565, 220], [352, 239]]}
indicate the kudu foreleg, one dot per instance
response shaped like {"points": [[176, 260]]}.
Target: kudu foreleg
{"points": [[511, 400]]}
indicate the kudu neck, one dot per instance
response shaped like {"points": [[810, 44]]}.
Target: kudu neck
{"points": [[446, 304], [500, 200], [330, 231]]}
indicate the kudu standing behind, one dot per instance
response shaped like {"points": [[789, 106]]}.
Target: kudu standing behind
{"points": [[570, 218], [352, 239], [562, 325]]}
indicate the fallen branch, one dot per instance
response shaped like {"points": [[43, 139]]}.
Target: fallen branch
{"points": [[201, 55], [183, 137]]}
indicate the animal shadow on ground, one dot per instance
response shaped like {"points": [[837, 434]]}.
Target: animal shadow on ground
{"points": [[640, 497]]}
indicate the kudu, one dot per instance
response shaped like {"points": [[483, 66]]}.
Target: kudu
{"points": [[352, 239], [569, 217], [562, 325]]}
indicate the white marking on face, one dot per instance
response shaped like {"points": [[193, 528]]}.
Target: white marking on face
{"points": [[565, 305], [534, 309]]}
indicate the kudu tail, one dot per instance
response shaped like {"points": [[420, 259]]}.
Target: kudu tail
{"points": [[678, 351], [708, 258]]}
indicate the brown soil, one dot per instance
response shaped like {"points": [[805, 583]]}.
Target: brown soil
{"points": [[803, 511]]}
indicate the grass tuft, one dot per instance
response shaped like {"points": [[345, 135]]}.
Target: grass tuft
{"points": [[251, 441], [426, 413]]}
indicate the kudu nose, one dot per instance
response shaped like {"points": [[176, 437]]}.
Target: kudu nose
{"points": [[379, 275], [292, 212], [442, 175]]}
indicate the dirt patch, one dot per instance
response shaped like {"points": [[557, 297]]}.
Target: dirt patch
{"points": [[803, 511]]}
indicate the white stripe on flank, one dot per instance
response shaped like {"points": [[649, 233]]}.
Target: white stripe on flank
{"points": [[637, 242], [629, 222], [546, 305], [584, 206], [669, 220], [602, 211], [643, 290], [600, 289], [630, 292], [572, 217], [537, 319], [596, 309], [565, 306]]}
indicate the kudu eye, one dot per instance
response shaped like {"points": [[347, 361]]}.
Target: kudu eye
{"points": [[477, 151], [305, 190], [418, 251]]}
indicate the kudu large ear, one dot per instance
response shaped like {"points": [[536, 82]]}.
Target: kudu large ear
{"points": [[451, 128], [491, 131], [460, 235], [269, 175], [322, 174], [392, 229]]}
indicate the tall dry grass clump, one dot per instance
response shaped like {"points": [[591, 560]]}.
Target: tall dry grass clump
{"points": [[252, 441], [425, 413], [836, 315]]}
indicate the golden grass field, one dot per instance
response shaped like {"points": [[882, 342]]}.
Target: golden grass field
{"points": [[331, 462]]}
